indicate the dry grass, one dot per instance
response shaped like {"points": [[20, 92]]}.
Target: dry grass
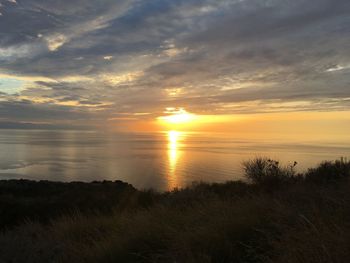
{"points": [[297, 221]]}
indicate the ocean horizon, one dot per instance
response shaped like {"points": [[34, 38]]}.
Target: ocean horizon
{"points": [[158, 160]]}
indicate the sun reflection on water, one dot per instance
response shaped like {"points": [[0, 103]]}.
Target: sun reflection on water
{"points": [[174, 139]]}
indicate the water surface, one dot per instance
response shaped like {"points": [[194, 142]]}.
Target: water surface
{"points": [[150, 160]]}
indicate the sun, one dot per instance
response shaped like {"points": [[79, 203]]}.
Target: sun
{"points": [[177, 116]]}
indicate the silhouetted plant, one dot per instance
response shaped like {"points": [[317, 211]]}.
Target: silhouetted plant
{"points": [[263, 170], [219, 222], [329, 171]]}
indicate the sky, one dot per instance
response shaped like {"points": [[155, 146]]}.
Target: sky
{"points": [[125, 63]]}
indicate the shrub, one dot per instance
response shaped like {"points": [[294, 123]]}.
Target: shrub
{"points": [[263, 170], [329, 171], [230, 222]]}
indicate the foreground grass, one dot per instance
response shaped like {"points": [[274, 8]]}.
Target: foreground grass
{"points": [[294, 218]]}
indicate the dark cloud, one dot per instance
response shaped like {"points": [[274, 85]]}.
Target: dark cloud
{"points": [[28, 125], [100, 59], [27, 111]]}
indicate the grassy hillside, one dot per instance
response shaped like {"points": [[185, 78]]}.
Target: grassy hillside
{"points": [[277, 215]]}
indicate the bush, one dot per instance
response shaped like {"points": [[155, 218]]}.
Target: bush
{"points": [[262, 170], [42, 201], [329, 171], [219, 222]]}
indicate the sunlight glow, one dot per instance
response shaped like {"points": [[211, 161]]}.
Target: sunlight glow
{"points": [[181, 120], [177, 116]]}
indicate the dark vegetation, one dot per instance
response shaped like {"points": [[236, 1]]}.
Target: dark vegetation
{"points": [[278, 216]]}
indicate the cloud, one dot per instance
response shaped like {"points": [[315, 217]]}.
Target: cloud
{"points": [[99, 60], [338, 68], [56, 41]]}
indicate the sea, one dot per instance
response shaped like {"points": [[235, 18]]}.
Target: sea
{"points": [[159, 160]]}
